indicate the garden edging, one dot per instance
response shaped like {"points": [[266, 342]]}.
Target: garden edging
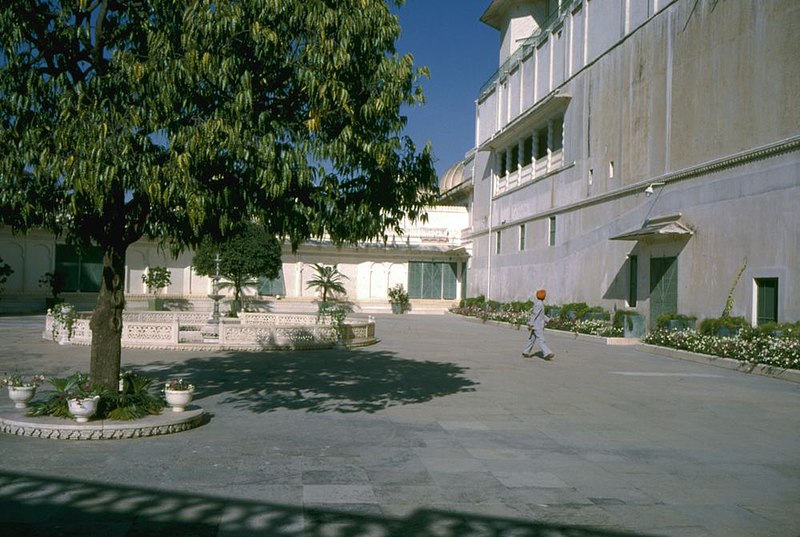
{"points": [[792, 375]]}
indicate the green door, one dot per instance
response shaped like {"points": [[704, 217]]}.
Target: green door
{"points": [[766, 300], [663, 287]]}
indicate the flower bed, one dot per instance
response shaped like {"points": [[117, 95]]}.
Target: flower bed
{"points": [[751, 346], [508, 314]]}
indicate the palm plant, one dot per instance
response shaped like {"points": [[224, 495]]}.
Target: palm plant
{"points": [[328, 280]]}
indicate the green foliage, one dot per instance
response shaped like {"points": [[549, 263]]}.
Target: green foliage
{"points": [[5, 272], [622, 316], [132, 401], [474, 302], [398, 295], [185, 120], [156, 278], [711, 326], [663, 320], [749, 346], [578, 309], [517, 314], [327, 280], [786, 331], [520, 306], [244, 257], [55, 281], [64, 318], [76, 386]]}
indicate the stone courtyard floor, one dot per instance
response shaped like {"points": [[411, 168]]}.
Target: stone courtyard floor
{"points": [[441, 429]]}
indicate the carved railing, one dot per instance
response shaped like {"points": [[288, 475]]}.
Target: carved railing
{"points": [[252, 331]]}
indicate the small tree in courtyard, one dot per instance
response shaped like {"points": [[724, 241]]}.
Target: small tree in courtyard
{"points": [[179, 121], [243, 258], [328, 281], [5, 272]]}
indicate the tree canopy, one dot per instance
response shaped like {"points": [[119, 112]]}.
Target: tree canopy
{"points": [[243, 257], [181, 120]]}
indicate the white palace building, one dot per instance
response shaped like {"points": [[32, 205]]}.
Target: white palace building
{"points": [[638, 154], [635, 154]]}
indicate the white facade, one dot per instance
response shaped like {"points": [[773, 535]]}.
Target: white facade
{"points": [[370, 268], [604, 98]]}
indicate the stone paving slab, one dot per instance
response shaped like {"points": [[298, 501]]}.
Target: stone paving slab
{"points": [[439, 429]]}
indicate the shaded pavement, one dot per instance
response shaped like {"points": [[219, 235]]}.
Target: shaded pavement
{"points": [[440, 429]]}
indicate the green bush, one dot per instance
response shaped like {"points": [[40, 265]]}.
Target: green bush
{"points": [[711, 326], [579, 308], [623, 316], [663, 320], [474, 302], [521, 306]]}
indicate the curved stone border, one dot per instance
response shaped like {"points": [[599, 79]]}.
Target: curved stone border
{"points": [[168, 422]]}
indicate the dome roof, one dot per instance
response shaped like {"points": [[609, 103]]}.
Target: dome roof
{"points": [[453, 177]]}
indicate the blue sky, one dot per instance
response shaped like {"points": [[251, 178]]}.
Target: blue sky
{"points": [[461, 52]]}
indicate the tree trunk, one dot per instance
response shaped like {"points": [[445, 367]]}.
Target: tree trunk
{"points": [[106, 321]]}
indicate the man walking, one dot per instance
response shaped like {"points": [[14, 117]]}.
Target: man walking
{"points": [[536, 327]]}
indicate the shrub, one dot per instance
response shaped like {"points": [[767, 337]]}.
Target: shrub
{"points": [[754, 347], [711, 326], [156, 278], [578, 308], [663, 320]]}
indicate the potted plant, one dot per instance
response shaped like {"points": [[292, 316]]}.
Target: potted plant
{"points": [[178, 394], [82, 397], [64, 318], [21, 391], [725, 326], [156, 278], [398, 299], [55, 281]]}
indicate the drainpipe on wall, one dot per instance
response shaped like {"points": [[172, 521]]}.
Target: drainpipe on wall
{"points": [[489, 256]]}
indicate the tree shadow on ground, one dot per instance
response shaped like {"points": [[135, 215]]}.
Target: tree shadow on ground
{"points": [[32, 505], [336, 380]]}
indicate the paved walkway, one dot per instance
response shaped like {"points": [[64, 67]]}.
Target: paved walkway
{"points": [[440, 429]]}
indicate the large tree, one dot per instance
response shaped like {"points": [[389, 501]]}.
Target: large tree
{"points": [[177, 120]]}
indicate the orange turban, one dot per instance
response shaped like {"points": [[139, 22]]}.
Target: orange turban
{"points": [[540, 294]]}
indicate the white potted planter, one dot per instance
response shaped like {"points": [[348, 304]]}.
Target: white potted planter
{"points": [[178, 399], [21, 395], [83, 408]]}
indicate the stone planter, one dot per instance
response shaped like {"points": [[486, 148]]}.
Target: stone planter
{"points": [[178, 399], [633, 326], [21, 395], [397, 308], [728, 331], [83, 408], [674, 325], [155, 304], [594, 316]]}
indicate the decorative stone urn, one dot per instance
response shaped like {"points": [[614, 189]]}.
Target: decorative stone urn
{"points": [[178, 399], [21, 395], [83, 409]]}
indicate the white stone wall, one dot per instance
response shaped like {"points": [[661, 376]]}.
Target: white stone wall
{"points": [[673, 92], [370, 269]]}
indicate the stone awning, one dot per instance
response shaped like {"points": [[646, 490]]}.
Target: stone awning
{"points": [[659, 228]]}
